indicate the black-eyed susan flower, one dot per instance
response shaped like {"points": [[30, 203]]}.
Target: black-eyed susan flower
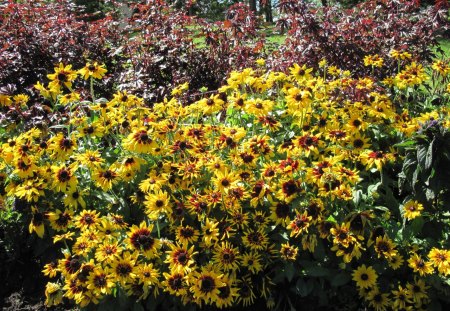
{"points": [[246, 291], [419, 265], [101, 281], [87, 219], [60, 220], [105, 178], [365, 277], [123, 268], [25, 167], [300, 73], [64, 179], [142, 240], [227, 292], [288, 252], [376, 159], [418, 291], [108, 251], [61, 146], [30, 190], [395, 262], [157, 204], [93, 70], [299, 224], [440, 258], [252, 261], [175, 283], [210, 232], [53, 294], [69, 98], [280, 213], [70, 264], [74, 198], [187, 235], [82, 246], [51, 269], [63, 76], [37, 222], [342, 234], [140, 140], [255, 239], [205, 284], [224, 180], [147, 274], [180, 258], [384, 247], [401, 298], [226, 257], [378, 301], [412, 209]]}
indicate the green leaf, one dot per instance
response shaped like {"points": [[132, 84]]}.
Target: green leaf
{"points": [[340, 279], [429, 194], [434, 306], [406, 143], [317, 271], [304, 288], [429, 156], [289, 270], [421, 155], [417, 225], [138, 307]]}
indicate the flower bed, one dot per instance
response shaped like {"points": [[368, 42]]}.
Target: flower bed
{"points": [[277, 190]]}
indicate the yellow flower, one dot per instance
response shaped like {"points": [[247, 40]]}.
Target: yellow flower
{"points": [[53, 294], [93, 70], [419, 265], [288, 252], [123, 268], [142, 240], [412, 209], [365, 277], [180, 258], [59, 220], [63, 76], [260, 62], [301, 73], [440, 258], [100, 281], [37, 222], [69, 98], [5, 100], [299, 224], [385, 247], [373, 60], [226, 257], [205, 285]]}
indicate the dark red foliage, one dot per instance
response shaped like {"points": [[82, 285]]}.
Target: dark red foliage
{"points": [[35, 36], [344, 36]]}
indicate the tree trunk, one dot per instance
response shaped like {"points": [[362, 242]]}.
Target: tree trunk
{"points": [[324, 2], [268, 11], [252, 4]]}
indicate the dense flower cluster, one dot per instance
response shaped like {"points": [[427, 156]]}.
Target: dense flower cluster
{"points": [[275, 176]]}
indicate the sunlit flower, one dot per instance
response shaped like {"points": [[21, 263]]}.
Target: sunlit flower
{"points": [[93, 70]]}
